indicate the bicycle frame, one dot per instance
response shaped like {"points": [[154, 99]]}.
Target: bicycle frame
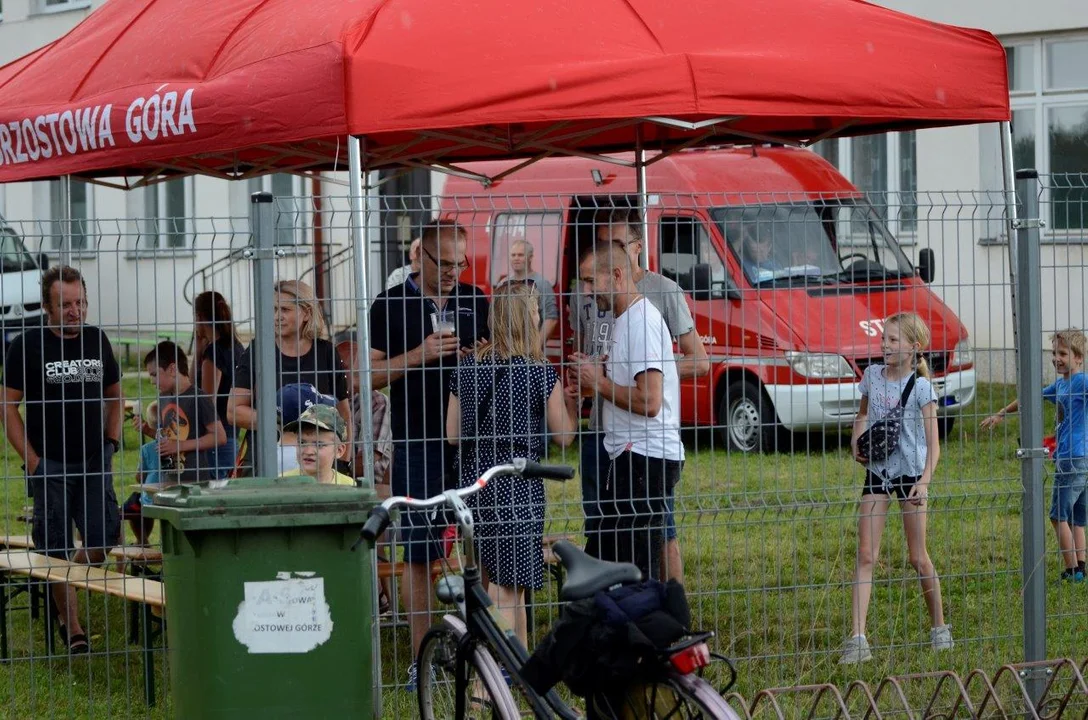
{"points": [[481, 618]]}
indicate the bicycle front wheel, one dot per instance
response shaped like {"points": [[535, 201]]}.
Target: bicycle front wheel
{"points": [[487, 695], [676, 697]]}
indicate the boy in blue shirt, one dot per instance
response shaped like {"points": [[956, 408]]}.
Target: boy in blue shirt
{"points": [[1069, 503]]}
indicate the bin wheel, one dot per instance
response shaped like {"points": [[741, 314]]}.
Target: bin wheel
{"points": [[436, 678]]}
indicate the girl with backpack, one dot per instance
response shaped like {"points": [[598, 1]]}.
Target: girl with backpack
{"points": [[895, 438]]}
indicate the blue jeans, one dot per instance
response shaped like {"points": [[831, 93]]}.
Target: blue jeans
{"points": [[224, 457], [595, 465], [1069, 502]]}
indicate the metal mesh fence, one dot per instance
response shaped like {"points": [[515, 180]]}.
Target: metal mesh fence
{"points": [[787, 291]]}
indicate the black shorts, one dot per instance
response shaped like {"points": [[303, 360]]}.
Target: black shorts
{"points": [[65, 494], [900, 486], [633, 503]]}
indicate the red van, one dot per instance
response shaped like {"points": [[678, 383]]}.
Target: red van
{"points": [[789, 330]]}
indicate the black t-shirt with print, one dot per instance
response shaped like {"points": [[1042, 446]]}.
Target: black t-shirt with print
{"points": [[186, 416], [63, 382], [399, 321]]}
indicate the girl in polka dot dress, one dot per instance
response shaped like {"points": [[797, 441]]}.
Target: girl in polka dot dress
{"points": [[500, 398]]}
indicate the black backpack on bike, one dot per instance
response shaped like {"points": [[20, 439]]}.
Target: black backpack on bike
{"points": [[604, 644]]}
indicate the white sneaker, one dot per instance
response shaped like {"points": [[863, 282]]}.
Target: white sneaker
{"points": [[941, 638], [855, 650]]}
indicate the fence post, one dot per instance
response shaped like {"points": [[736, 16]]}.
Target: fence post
{"points": [[1031, 454], [262, 252]]}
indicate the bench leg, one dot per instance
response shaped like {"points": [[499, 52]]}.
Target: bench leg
{"points": [[52, 617], [149, 655], [4, 618], [36, 599]]}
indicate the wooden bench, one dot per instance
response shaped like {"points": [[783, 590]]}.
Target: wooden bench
{"points": [[147, 594]]}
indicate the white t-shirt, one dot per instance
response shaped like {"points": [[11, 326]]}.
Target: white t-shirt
{"points": [[641, 342]]}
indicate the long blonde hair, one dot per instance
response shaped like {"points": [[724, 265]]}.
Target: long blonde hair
{"points": [[313, 325], [513, 332], [914, 330]]}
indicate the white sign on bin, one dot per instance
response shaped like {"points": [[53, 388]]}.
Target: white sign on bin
{"points": [[283, 616]]}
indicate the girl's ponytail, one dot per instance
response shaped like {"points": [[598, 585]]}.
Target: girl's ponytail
{"points": [[921, 366]]}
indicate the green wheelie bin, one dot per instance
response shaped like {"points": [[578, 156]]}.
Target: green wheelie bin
{"points": [[268, 609]]}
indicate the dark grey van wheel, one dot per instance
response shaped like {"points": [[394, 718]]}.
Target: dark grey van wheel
{"points": [[746, 419]]}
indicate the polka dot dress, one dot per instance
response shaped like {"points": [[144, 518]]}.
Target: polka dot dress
{"points": [[509, 512]]}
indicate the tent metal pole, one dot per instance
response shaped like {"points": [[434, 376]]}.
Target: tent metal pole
{"points": [[1008, 186], [643, 196], [263, 254], [359, 208]]}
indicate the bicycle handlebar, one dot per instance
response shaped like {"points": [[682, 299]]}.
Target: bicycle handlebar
{"points": [[379, 518]]}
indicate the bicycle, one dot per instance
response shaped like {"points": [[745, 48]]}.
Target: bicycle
{"points": [[466, 652]]}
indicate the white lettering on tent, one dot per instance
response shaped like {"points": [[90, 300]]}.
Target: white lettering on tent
{"points": [[185, 116], [31, 140], [133, 126], [283, 616], [87, 129], [5, 145], [20, 156], [43, 138], [105, 131], [86, 122], [71, 141]]}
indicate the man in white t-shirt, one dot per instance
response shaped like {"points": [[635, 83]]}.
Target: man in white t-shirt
{"points": [[638, 390]]}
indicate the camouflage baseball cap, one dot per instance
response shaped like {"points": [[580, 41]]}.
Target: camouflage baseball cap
{"points": [[323, 417]]}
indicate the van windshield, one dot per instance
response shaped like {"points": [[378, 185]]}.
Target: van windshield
{"points": [[824, 242], [13, 254]]}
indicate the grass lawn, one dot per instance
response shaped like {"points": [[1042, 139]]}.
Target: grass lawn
{"points": [[768, 545]]}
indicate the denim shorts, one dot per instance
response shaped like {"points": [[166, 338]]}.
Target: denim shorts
{"points": [[1069, 502], [595, 466], [419, 471]]}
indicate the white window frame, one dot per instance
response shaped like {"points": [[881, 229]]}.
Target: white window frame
{"points": [[151, 239], [894, 189], [297, 210], [546, 260], [1041, 100], [49, 245], [41, 7]]}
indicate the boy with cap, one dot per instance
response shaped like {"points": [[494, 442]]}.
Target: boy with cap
{"points": [[322, 440]]}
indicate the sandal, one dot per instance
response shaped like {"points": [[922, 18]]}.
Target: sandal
{"points": [[77, 644]]}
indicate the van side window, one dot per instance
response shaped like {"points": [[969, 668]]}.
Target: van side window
{"points": [[541, 230], [685, 243]]}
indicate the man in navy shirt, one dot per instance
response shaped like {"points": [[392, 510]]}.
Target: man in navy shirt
{"points": [[418, 330]]}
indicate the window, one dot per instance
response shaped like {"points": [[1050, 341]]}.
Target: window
{"points": [[542, 230], [292, 208], [886, 168], [1048, 84], [166, 217], [50, 6], [685, 245], [70, 198]]}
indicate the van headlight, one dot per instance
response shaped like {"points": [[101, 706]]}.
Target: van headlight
{"points": [[819, 365], [963, 355]]}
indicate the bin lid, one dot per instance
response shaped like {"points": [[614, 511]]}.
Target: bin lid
{"points": [[263, 502]]}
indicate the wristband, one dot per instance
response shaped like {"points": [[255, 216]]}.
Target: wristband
{"points": [[116, 445]]}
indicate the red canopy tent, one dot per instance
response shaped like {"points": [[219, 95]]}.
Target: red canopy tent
{"points": [[155, 88]]}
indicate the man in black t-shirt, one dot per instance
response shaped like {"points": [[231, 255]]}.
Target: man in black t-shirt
{"points": [[68, 377], [417, 331]]}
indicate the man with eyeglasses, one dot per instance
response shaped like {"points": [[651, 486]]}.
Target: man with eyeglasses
{"points": [[592, 328], [418, 330]]}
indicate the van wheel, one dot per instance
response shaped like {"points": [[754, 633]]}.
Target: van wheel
{"points": [[945, 423], [747, 420]]}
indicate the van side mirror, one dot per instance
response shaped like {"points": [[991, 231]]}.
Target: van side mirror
{"points": [[43, 262], [927, 265]]}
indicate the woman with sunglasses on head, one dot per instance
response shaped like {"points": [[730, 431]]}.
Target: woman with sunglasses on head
{"points": [[304, 355]]}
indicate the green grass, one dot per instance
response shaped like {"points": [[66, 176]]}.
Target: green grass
{"points": [[768, 546]]}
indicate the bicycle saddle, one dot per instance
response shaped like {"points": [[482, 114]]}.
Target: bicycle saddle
{"points": [[586, 575]]}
